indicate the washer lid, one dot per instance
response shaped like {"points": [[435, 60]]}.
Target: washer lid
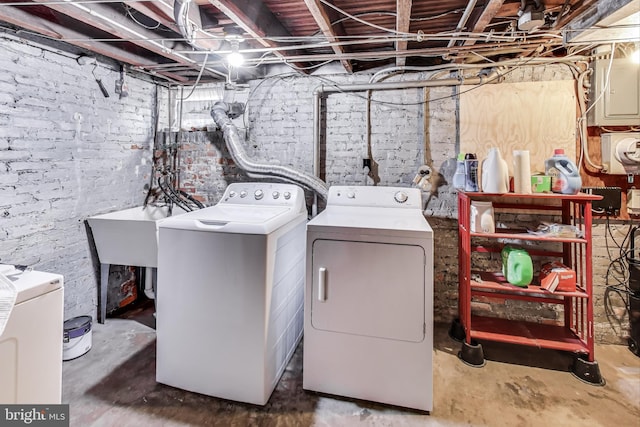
{"points": [[32, 284], [248, 219]]}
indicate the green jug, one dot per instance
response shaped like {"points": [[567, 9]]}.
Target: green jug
{"points": [[517, 266]]}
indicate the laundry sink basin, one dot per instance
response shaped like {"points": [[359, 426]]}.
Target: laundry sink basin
{"points": [[129, 237]]}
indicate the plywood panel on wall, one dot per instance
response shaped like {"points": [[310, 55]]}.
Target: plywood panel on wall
{"points": [[534, 116]]}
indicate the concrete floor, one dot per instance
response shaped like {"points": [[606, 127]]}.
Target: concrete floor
{"points": [[114, 385]]}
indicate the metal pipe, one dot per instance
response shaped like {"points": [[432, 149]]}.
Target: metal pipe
{"points": [[253, 168], [463, 20], [320, 91]]}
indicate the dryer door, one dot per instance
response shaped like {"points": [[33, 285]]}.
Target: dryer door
{"points": [[369, 288]]}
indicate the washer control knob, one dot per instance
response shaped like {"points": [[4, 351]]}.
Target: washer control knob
{"points": [[232, 194], [351, 195], [243, 194], [258, 194], [275, 194], [287, 195], [401, 197]]}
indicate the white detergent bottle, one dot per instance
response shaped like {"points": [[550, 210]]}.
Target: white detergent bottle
{"points": [[565, 176], [495, 173]]}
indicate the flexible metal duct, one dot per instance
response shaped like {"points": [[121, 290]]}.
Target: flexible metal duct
{"points": [[253, 168]]}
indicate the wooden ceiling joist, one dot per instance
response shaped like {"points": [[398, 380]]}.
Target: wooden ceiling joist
{"points": [[403, 23], [109, 21], [21, 18], [255, 18], [323, 20], [488, 13]]}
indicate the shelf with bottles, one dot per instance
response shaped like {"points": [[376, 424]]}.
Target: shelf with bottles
{"points": [[573, 249]]}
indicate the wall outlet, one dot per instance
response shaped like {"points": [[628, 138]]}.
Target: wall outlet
{"points": [[633, 201]]}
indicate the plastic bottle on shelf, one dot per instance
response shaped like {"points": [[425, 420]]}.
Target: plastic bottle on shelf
{"points": [[459, 177], [471, 173], [565, 176]]}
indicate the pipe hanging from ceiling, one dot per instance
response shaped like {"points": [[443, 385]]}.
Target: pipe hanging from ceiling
{"points": [[220, 115]]}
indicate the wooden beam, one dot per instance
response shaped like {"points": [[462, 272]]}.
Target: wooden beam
{"points": [[20, 18], [255, 18], [590, 12], [403, 16], [162, 12], [108, 20], [488, 13], [321, 17]]}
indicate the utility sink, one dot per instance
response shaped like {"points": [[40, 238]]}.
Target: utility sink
{"points": [[127, 237]]}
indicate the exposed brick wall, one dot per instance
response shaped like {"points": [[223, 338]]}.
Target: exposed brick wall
{"points": [[66, 153], [280, 130]]}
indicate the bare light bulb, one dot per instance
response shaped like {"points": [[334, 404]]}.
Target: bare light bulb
{"points": [[235, 59]]}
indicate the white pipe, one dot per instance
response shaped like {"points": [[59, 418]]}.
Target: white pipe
{"points": [[463, 20], [148, 283], [322, 90], [141, 36]]}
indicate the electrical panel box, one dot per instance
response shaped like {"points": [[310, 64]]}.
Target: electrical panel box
{"points": [[619, 105]]}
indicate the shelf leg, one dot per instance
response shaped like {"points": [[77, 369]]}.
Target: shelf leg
{"points": [[456, 330], [472, 354], [587, 371]]}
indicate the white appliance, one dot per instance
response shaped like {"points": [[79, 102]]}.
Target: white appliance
{"points": [[621, 153], [230, 292], [368, 315], [31, 344]]}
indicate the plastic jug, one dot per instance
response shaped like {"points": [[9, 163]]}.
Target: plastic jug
{"points": [[565, 176], [517, 266], [460, 176], [495, 173]]}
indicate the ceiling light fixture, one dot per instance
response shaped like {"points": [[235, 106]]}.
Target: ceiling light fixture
{"points": [[235, 58]]}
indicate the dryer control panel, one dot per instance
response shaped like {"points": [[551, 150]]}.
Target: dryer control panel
{"points": [[375, 196]]}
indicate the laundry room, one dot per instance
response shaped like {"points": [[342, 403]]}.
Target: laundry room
{"points": [[319, 213]]}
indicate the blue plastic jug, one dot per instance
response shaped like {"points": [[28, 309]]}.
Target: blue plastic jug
{"points": [[565, 176]]}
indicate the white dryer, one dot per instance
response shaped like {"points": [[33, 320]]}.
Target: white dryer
{"points": [[31, 343], [369, 297], [230, 292]]}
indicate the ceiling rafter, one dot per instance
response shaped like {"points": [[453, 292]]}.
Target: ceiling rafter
{"points": [[162, 11], [321, 16], [21, 18], [403, 23], [489, 12], [257, 20], [107, 20]]}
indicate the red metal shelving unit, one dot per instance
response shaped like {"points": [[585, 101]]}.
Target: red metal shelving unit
{"points": [[576, 333]]}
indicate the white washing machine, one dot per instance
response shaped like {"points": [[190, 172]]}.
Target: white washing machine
{"points": [[31, 343], [368, 322], [230, 292]]}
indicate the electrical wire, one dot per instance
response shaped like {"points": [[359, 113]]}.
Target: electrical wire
{"points": [[362, 21], [193, 88], [617, 278], [133, 18]]}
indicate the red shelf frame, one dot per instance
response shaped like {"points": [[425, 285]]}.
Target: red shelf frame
{"points": [[576, 333]]}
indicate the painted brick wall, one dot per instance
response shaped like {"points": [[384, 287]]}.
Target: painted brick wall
{"points": [[279, 130], [66, 153]]}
